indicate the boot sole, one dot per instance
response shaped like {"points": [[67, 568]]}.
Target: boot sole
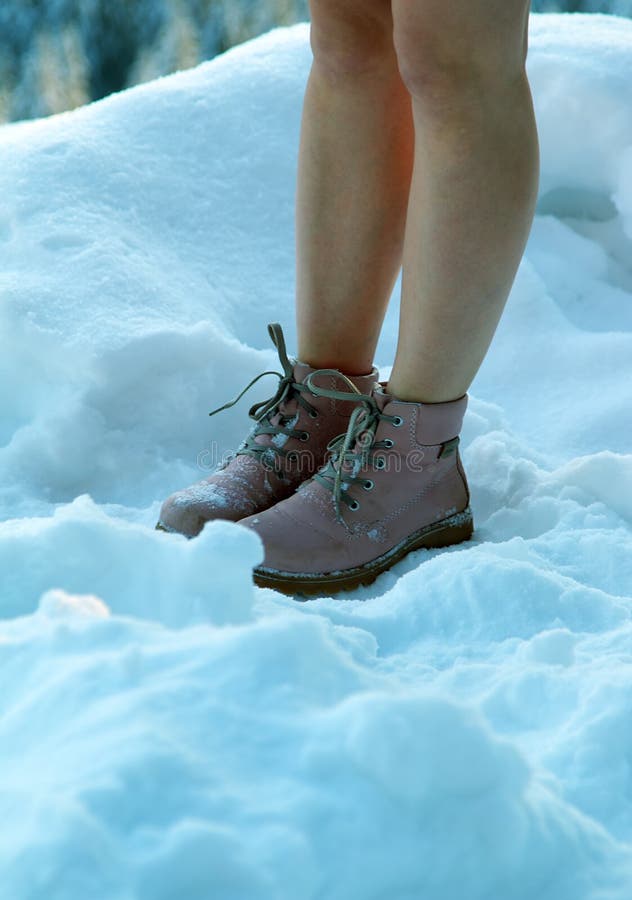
{"points": [[453, 530]]}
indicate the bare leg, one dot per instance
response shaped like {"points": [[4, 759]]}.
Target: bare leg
{"points": [[354, 179], [474, 185]]}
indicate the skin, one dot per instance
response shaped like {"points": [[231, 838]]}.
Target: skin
{"points": [[418, 148]]}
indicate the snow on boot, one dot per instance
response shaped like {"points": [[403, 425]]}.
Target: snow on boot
{"points": [[286, 446], [394, 483]]}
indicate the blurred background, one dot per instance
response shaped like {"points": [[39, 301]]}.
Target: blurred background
{"points": [[59, 54]]}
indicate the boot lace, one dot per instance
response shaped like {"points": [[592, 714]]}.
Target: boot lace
{"points": [[352, 454], [272, 454]]}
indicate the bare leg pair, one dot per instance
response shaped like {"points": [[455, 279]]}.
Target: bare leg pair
{"points": [[419, 145]]}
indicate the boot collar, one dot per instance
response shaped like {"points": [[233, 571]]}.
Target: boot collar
{"points": [[434, 423]]}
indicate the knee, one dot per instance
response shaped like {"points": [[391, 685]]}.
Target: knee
{"points": [[351, 38], [444, 56]]}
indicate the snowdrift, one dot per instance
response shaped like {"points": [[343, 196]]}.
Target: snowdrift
{"points": [[460, 730]]}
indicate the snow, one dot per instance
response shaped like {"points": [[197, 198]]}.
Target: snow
{"points": [[202, 493], [166, 729]]}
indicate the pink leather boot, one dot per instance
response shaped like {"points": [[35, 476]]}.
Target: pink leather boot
{"points": [[286, 446], [394, 484]]}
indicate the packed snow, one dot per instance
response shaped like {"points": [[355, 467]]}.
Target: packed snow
{"points": [[460, 731]]}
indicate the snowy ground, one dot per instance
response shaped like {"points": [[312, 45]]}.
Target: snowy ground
{"points": [[166, 730]]}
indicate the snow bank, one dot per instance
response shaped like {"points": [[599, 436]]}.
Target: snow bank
{"points": [[177, 582], [168, 730]]}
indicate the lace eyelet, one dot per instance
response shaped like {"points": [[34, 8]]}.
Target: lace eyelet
{"points": [[354, 505], [368, 485], [397, 422], [389, 443], [380, 463], [292, 456], [313, 413], [304, 436]]}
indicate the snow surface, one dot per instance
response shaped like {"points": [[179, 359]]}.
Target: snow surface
{"points": [[167, 730]]}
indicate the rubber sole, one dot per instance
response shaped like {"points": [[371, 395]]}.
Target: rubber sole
{"points": [[453, 530]]}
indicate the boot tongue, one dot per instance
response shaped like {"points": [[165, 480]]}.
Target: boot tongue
{"points": [[380, 396], [352, 466], [288, 411], [301, 371], [290, 408], [363, 383]]}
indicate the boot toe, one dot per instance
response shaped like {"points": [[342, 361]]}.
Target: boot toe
{"points": [[274, 529], [181, 515], [186, 512], [294, 546]]}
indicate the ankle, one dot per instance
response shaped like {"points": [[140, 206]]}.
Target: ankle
{"points": [[349, 367], [420, 392]]}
